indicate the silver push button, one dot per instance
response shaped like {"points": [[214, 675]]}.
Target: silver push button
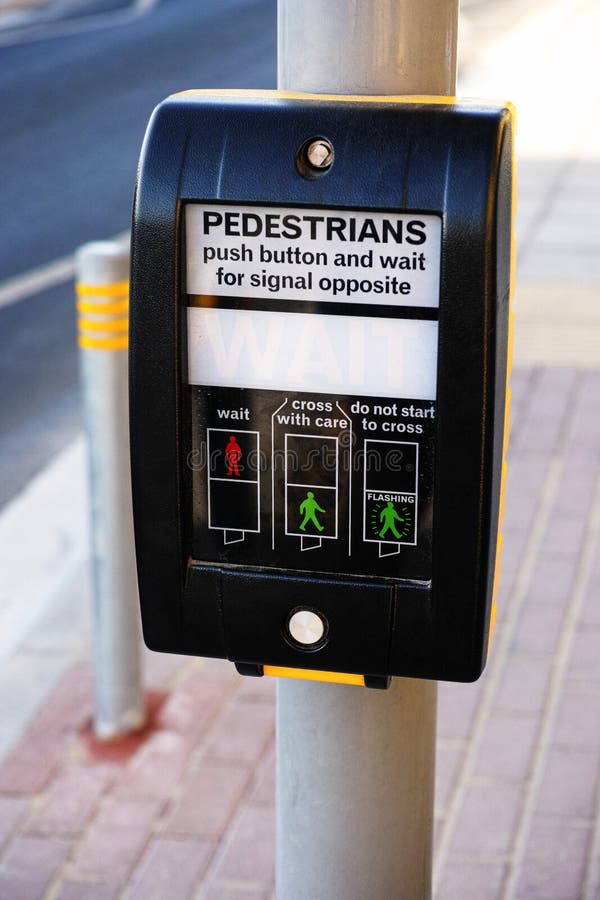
{"points": [[306, 627]]}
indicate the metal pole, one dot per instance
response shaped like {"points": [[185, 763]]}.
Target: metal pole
{"points": [[102, 271], [355, 767], [368, 46]]}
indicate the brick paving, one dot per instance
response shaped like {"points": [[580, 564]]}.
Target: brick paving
{"points": [[179, 807], [521, 809], [186, 809]]}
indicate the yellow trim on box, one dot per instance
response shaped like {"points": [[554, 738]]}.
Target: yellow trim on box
{"points": [[249, 94], [117, 306], [494, 609], [314, 675], [497, 569], [502, 493], [511, 337], [507, 412], [509, 363], [103, 343], [116, 289], [107, 325], [493, 618], [513, 247]]}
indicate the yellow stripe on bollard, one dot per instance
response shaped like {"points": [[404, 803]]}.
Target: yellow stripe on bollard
{"points": [[103, 343], [108, 325], [102, 290], [110, 330], [117, 306]]}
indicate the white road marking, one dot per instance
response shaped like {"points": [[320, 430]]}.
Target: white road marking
{"points": [[41, 279], [27, 33], [22, 286]]}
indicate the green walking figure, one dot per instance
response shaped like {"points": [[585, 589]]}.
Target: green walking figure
{"points": [[388, 516], [309, 509]]}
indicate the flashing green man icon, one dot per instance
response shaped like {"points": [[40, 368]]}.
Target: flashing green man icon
{"points": [[388, 516], [309, 508]]}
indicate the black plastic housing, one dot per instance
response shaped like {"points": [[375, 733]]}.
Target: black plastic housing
{"points": [[453, 159]]}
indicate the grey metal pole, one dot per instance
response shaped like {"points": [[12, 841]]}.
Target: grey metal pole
{"points": [[102, 272], [355, 771], [368, 46], [355, 767]]}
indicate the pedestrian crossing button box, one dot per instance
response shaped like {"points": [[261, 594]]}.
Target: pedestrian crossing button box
{"points": [[319, 349]]}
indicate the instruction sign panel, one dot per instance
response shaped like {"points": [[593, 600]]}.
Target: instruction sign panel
{"points": [[312, 385], [337, 256]]}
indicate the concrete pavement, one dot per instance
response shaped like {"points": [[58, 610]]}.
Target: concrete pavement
{"points": [[186, 809]]}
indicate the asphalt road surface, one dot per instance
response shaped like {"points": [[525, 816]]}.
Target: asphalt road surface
{"points": [[74, 111]]}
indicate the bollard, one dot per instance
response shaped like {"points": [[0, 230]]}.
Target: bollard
{"points": [[102, 273], [355, 768]]}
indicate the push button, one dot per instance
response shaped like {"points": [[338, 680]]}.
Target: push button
{"points": [[306, 627]]}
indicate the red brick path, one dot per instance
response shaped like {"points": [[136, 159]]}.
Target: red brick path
{"points": [[190, 802], [186, 809]]}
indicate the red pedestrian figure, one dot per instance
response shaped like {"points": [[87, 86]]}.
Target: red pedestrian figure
{"points": [[233, 454]]}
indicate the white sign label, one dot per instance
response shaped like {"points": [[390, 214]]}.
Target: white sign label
{"points": [[296, 253], [300, 351]]}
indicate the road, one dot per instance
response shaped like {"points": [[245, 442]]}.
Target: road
{"points": [[74, 110]]}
